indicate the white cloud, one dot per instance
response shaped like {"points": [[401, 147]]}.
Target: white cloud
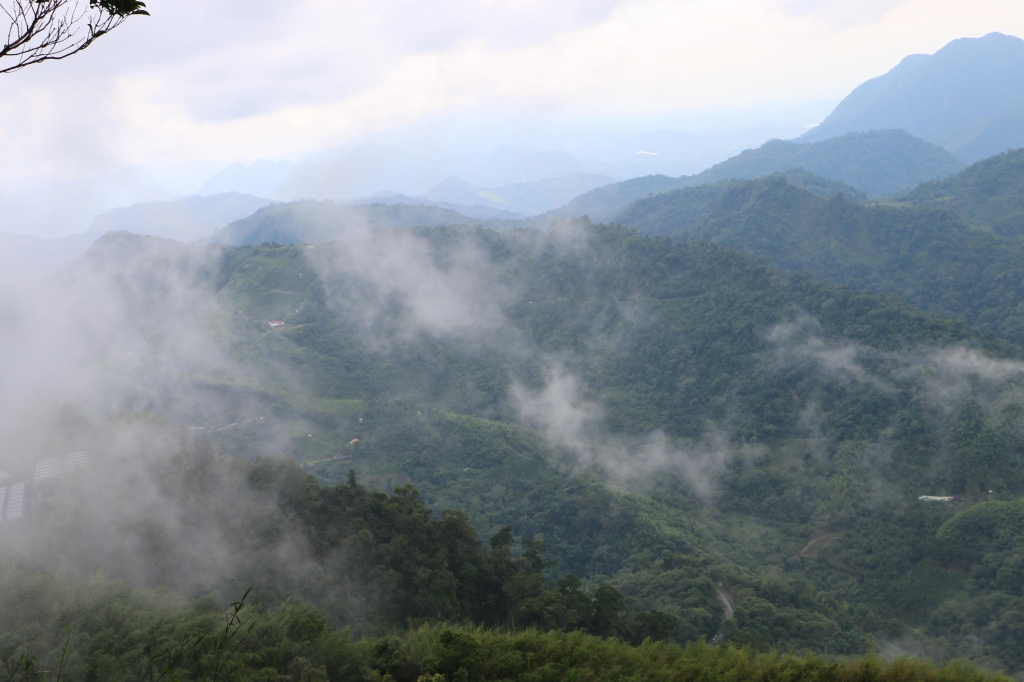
{"points": [[842, 12], [258, 78]]}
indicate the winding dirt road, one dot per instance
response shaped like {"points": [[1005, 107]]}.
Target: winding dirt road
{"points": [[726, 615]]}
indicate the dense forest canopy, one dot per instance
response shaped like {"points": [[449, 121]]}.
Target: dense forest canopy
{"points": [[629, 429], [935, 249]]}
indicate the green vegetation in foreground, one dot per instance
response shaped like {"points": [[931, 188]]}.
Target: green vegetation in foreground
{"points": [[105, 630]]}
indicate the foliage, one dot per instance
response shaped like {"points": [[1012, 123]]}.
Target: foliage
{"points": [[146, 637], [822, 412], [989, 193], [928, 257]]}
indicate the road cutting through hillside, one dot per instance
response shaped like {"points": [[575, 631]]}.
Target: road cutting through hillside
{"points": [[726, 615]]}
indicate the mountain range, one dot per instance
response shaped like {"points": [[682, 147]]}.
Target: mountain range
{"points": [[361, 170], [771, 412], [869, 164], [949, 246]]}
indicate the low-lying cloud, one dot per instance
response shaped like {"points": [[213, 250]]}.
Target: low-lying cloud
{"points": [[944, 376], [571, 422]]}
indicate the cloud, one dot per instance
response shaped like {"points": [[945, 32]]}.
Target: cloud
{"points": [[571, 422], [942, 376], [262, 79], [132, 327], [842, 13], [368, 273]]}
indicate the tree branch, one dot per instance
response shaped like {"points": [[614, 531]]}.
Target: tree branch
{"points": [[45, 30]]}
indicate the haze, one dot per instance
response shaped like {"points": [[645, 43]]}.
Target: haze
{"points": [[212, 83], [604, 340]]}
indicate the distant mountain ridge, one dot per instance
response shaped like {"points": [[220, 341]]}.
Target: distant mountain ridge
{"points": [[185, 220], [870, 164], [967, 97], [876, 162], [476, 212], [305, 222], [354, 171], [524, 198]]}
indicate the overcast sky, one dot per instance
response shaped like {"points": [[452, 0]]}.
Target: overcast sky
{"points": [[204, 79]]}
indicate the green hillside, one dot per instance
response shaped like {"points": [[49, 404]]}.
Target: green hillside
{"points": [[148, 634], [929, 257], [987, 194], [320, 221], [671, 420]]}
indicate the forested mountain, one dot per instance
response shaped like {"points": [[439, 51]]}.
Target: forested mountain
{"points": [[604, 203], [876, 162], [987, 194], [318, 221], [856, 164], [476, 212], [673, 420], [967, 97], [931, 258]]}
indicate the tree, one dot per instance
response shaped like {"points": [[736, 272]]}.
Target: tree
{"points": [[43, 30]]}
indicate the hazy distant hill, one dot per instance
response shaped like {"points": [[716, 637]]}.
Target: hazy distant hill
{"points": [[604, 203], [876, 162], [989, 194], [524, 198], [857, 164], [321, 221], [929, 257], [476, 211], [262, 178], [184, 220], [352, 171], [537, 197], [967, 97], [25, 252]]}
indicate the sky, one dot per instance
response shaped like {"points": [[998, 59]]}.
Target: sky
{"points": [[202, 81]]}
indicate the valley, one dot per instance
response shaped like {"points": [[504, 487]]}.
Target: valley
{"points": [[762, 421]]}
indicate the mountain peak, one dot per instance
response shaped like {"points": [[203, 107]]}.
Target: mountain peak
{"points": [[967, 97]]}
